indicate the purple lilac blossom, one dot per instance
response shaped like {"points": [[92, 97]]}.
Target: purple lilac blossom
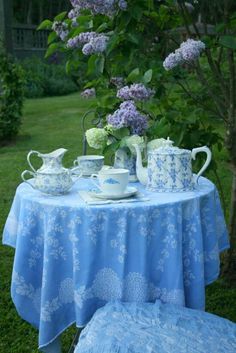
{"points": [[128, 116], [188, 51], [103, 7], [173, 60], [88, 93], [136, 91], [92, 42], [191, 49], [61, 29]]}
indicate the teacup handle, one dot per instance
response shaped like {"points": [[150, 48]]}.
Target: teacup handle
{"points": [[76, 162], [28, 158], [208, 160], [25, 180], [93, 177]]}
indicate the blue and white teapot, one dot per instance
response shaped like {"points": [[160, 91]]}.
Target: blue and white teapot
{"points": [[170, 168]]}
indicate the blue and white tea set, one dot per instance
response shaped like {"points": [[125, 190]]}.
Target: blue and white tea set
{"points": [[169, 169]]}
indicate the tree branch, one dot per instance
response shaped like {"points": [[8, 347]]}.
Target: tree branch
{"points": [[195, 97], [202, 79]]}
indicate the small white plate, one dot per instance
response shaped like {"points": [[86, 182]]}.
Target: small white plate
{"points": [[130, 191]]}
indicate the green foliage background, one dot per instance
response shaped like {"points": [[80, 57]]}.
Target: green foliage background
{"points": [[11, 97]]}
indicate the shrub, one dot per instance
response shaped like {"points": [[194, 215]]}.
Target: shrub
{"points": [[46, 79], [11, 97]]}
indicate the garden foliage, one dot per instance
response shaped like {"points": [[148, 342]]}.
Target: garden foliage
{"points": [[11, 97], [46, 78]]}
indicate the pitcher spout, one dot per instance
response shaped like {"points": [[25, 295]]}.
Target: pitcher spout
{"points": [[140, 170], [59, 153]]}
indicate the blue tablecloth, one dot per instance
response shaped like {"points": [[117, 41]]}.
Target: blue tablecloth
{"points": [[156, 328], [71, 258]]}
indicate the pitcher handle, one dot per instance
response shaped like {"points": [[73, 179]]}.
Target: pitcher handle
{"points": [[93, 177], [208, 160], [28, 158], [25, 180]]}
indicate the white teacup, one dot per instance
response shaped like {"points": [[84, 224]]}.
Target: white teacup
{"points": [[89, 164], [112, 181]]}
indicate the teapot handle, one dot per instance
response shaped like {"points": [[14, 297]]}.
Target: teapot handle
{"points": [[28, 158], [25, 180], [208, 160]]}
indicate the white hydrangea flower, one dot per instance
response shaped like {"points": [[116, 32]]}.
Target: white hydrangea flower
{"points": [[129, 141], [96, 138], [154, 144]]}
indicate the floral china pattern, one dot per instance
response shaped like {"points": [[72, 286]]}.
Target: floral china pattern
{"points": [[170, 173], [87, 166], [78, 257], [111, 181], [123, 159]]}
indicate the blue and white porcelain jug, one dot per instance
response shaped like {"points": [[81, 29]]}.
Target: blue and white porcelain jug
{"points": [[170, 168], [51, 178]]}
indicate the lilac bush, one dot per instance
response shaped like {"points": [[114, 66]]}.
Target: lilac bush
{"points": [[128, 116]]}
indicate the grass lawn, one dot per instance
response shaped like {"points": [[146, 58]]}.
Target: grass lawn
{"points": [[50, 123]]}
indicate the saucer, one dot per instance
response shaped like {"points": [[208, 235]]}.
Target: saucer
{"points": [[130, 191]]}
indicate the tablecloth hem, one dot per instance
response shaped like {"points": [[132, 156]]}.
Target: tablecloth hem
{"points": [[8, 244], [212, 279], [225, 247], [57, 335]]}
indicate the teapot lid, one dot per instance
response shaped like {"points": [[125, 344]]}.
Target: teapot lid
{"points": [[167, 148]]}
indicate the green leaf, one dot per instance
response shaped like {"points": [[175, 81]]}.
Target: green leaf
{"points": [[133, 38], [102, 27], [120, 133], [112, 148], [52, 49], [61, 16], [69, 65], [91, 64], [134, 75], [147, 77], [52, 36], [228, 42], [99, 64], [46, 24]]}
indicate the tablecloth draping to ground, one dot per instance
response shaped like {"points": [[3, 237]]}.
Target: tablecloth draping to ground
{"points": [[71, 258]]}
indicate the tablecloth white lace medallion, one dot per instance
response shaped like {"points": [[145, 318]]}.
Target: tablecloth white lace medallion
{"points": [[71, 258]]}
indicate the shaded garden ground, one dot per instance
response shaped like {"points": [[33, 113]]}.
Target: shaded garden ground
{"points": [[50, 123]]}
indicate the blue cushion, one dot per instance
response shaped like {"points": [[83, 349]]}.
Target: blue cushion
{"points": [[156, 328]]}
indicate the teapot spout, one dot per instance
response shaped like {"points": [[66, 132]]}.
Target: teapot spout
{"points": [[140, 170]]}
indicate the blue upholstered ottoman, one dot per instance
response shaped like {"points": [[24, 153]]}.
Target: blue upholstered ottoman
{"points": [[156, 328]]}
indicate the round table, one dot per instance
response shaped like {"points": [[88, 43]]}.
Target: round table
{"points": [[72, 258]]}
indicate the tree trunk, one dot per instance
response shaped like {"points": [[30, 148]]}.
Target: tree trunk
{"points": [[29, 13], [229, 269]]}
